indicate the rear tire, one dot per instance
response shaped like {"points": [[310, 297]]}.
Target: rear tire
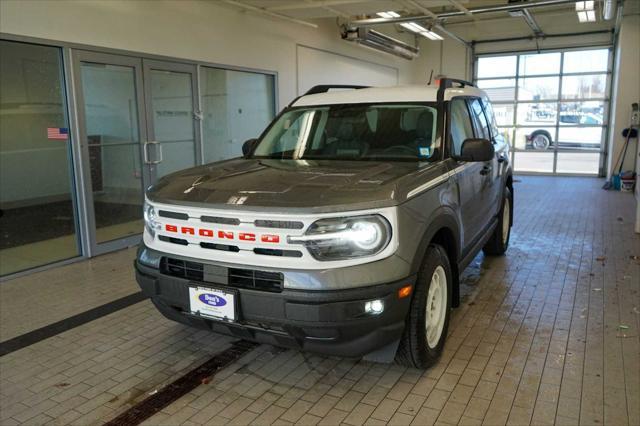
{"points": [[499, 241], [428, 319], [540, 141]]}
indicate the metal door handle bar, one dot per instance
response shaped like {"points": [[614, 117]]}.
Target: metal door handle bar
{"points": [[146, 152]]}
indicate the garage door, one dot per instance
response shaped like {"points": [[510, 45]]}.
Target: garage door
{"points": [[552, 106], [313, 69]]}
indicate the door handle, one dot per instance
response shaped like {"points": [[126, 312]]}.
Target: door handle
{"points": [[145, 151], [501, 158], [486, 170]]}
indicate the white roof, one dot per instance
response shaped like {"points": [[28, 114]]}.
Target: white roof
{"points": [[415, 93]]}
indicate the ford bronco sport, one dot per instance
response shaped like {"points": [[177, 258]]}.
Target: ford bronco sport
{"points": [[342, 230]]}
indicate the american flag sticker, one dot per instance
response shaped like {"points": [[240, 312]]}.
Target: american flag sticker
{"points": [[61, 133]]}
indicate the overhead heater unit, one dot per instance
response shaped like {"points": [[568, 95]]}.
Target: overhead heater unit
{"points": [[375, 40]]}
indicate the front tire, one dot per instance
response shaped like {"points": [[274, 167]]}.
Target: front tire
{"points": [[499, 241], [428, 318]]}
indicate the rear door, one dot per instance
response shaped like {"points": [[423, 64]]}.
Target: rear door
{"points": [[467, 174], [488, 170]]}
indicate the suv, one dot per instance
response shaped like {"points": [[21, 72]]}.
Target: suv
{"points": [[342, 230]]}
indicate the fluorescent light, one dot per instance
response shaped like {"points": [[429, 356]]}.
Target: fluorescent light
{"points": [[431, 35], [412, 26], [586, 11], [389, 14], [587, 16], [585, 5]]}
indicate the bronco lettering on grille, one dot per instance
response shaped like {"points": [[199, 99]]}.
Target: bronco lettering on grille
{"points": [[223, 235]]}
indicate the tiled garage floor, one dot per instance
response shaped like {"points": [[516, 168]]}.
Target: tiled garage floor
{"points": [[548, 333]]}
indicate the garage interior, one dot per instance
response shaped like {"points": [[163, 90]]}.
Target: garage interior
{"points": [[99, 99]]}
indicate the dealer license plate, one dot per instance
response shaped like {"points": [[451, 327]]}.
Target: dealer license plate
{"points": [[212, 303]]}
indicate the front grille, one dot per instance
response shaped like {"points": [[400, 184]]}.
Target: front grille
{"points": [[277, 252], [182, 269], [282, 224], [173, 240], [222, 247], [173, 215], [233, 277], [258, 280], [223, 220]]}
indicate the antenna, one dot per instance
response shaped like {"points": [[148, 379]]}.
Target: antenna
{"points": [[430, 78]]}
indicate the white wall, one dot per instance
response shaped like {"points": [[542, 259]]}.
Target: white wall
{"points": [[196, 30], [626, 90], [449, 58], [340, 69]]}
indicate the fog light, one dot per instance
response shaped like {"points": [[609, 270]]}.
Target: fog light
{"points": [[374, 307]]}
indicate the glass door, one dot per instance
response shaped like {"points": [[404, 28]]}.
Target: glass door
{"points": [[172, 116], [112, 128]]}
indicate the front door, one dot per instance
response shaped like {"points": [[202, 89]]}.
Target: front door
{"points": [[468, 174], [111, 122], [172, 117], [138, 122]]}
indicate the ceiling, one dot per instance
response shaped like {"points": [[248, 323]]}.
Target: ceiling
{"points": [[553, 19]]}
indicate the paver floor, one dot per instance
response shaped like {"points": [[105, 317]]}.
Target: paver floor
{"points": [[546, 334]]}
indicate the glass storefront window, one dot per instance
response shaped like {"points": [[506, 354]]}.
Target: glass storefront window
{"points": [[236, 106], [37, 212]]}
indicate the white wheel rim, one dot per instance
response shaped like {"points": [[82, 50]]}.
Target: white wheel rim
{"points": [[506, 218], [540, 141], [436, 310]]}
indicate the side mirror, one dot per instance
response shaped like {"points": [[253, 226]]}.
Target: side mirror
{"points": [[476, 150], [247, 147]]}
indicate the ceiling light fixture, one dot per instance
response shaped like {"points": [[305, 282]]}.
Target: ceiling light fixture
{"points": [[586, 11], [389, 14], [375, 40], [411, 26], [419, 29]]}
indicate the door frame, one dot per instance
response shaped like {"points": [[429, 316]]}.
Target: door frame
{"points": [[147, 66], [79, 56]]}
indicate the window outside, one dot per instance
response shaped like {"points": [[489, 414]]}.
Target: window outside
{"points": [[552, 107]]}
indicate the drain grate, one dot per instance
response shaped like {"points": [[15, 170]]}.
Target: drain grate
{"points": [[185, 384]]}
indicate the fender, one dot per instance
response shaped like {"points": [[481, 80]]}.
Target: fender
{"points": [[443, 218]]}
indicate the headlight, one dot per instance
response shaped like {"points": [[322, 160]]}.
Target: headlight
{"points": [[346, 237], [150, 219]]}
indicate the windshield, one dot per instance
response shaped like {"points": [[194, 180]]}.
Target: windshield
{"points": [[352, 132]]}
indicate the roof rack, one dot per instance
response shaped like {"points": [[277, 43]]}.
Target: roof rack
{"points": [[446, 83], [324, 88]]}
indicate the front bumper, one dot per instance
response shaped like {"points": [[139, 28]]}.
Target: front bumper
{"points": [[331, 322]]}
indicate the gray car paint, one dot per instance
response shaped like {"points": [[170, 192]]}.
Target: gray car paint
{"points": [[295, 185], [424, 193]]}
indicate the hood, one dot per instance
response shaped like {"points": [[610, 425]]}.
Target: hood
{"points": [[291, 184]]}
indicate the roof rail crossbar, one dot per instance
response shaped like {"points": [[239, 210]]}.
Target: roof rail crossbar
{"points": [[324, 88]]}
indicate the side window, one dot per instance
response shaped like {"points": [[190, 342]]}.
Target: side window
{"points": [[479, 119], [491, 117], [461, 127]]}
